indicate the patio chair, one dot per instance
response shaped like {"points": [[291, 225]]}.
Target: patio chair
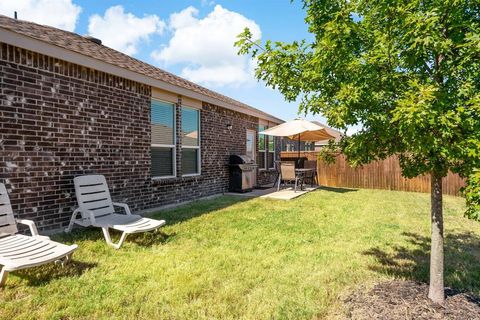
{"points": [[97, 209], [288, 174], [277, 173], [18, 251], [312, 176]]}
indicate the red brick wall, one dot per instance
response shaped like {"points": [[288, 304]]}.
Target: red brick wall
{"points": [[59, 120]]}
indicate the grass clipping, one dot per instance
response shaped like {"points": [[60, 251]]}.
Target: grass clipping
{"points": [[408, 300]]}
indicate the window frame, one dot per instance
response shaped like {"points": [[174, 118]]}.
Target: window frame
{"points": [[173, 146], [198, 147], [262, 153], [268, 152]]}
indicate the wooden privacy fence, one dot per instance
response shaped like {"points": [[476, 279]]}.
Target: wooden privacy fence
{"points": [[385, 174]]}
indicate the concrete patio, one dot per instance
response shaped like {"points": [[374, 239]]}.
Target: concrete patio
{"points": [[272, 193]]}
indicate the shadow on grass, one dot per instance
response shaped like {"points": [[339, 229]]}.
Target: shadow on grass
{"points": [[197, 208], [337, 190], [462, 260], [95, 234], [41, 275], [171, 216]]}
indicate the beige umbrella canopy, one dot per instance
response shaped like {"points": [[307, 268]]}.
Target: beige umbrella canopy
{"points": [[300, 130]]}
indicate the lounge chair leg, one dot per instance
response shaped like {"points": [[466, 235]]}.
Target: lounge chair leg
{"points": [[106, 234], [68, 259], [3, 277], [122, 238], [72, 221], [295, 190]]}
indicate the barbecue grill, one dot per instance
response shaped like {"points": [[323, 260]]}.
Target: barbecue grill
{"points": [[242, 173]]}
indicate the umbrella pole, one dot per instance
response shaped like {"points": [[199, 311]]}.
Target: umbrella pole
{"points": [[298, 160]]}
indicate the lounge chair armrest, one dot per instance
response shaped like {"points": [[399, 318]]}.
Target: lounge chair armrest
{"points": [[124, 206], [86, 212], [30, 224]]}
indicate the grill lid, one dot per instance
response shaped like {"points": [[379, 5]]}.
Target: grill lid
{"points": [[240, 159]]}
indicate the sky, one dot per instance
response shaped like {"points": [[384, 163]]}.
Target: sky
{"points": [[193, 39]]}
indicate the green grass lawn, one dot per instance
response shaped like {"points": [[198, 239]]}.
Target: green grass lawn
{"points": [[236, 258]]}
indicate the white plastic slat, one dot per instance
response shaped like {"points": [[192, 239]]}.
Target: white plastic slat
{"points": [[30, 247], [8, 241], [92, 194], [140, 223], [129, 224], [35, 251], [92, 188], [8, 225], [7, 220], [4, 197], [100, 210], [6, 209], [16, 243], [94, 179], [94, 197], [3, 194], [41, 257], [43, 253], [31, 252], [8, 230]]}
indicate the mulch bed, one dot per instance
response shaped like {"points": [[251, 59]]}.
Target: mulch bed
{"points": [[408, 300]]}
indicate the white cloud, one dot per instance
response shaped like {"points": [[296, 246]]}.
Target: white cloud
{"points": [[124, 31], [62, 14], [206, 3], [206, 46]]}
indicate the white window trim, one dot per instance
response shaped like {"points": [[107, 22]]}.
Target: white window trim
{"points": [[268, 151], [173, 146], [265, 150], [199, 157]]}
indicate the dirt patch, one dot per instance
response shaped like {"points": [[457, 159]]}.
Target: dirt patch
{"points": [[408, 300]]}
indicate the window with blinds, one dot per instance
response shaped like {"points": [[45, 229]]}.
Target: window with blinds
{"points": [[262, 141], [190, 141], [163, 139], [271, 152]]}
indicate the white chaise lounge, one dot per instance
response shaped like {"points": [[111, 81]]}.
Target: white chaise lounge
{"points": [[19, 251], [97, 209]]}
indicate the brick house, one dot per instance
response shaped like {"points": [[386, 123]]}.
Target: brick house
{"points": [[71, 106]]}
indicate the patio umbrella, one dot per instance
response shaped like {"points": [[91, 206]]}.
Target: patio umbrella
{"points": [[300, 130]]}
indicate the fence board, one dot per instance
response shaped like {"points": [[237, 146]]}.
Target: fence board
{"points": [[385, 174]]}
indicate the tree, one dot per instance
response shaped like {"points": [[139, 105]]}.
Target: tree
{"points": [[406, 71]]}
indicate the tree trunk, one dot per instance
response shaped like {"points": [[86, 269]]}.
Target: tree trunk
{"points": [[436, 291]]}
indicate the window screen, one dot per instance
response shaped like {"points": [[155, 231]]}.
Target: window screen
{"points": [[190, 127], [163, 139], [162, 160], [262, 142], [189, 161], [191, 141], [271, 152]]}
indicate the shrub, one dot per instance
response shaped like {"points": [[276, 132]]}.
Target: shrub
{"points": [[472, 194]]}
